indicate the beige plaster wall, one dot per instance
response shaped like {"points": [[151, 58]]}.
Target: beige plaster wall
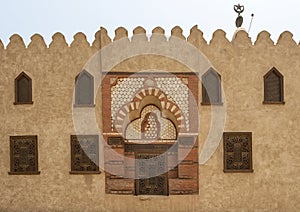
{"points": [[273, 186]]}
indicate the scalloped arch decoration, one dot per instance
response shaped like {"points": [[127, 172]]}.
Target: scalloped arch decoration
{"points": [[151, 125], [122, 116]]}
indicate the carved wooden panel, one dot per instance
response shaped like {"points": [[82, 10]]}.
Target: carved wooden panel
{"points": [[129, 148], [23, 89], [145, 185], [84, 89], [115, 141], [84, 154], [273, 87], [237, 151], [211, 87], [23, 155]]}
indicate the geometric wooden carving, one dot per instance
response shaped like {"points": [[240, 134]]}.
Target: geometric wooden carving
{"points": [[273, 87], [23, 155], [84, 154], [84, 89], [211, 88], [154, 185], [115, 141], [237, 151], [23, 89]]}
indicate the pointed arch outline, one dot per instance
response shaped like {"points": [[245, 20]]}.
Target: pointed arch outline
{"points": [[84, 89], [23, 89], [273, 87], [211, 88]]}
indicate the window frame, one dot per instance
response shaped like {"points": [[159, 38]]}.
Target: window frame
{"points": [[276, 72], [225, 153], [205, 97], [13, 139], [91, 88], [17, 79], [73, 171]]}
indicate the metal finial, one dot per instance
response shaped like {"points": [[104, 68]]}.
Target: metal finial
{"points": [[239, 9]]}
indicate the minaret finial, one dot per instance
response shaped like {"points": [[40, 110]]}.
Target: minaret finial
{"points": [[239, 20]]}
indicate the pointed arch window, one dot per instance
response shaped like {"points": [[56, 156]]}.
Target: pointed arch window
{"points": [[273, 87], [84, 89], [211, 88], [23, 89]]}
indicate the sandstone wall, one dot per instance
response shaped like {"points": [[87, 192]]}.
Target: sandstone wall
{"points": [[273, 186]]}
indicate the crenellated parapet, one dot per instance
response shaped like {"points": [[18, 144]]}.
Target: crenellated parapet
{"points": [[101, 38], [196, 37], [139, 34], [177, 32], [16, 43], [58, 41], [158, 34], [120, 33], [80, 41], [264, 39], [37, 43], [1, 45], [286, 39], [219, 39], [240, 39]]}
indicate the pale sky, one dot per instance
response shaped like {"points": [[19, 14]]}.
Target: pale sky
{"points": [[27, 17]]}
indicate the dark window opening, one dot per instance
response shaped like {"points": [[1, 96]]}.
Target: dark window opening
{"points": [[211, 88], [273, 87], [23, 89], [84, 89]]}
